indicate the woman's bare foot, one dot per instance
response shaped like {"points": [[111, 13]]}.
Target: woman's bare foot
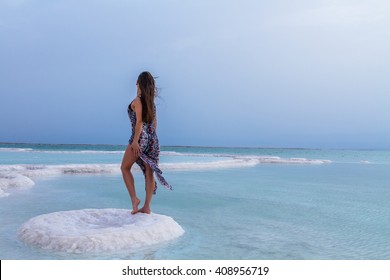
{"points": [[145, 210], [135, 203]]}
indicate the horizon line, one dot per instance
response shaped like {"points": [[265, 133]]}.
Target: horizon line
{"points": [[198, 146]]}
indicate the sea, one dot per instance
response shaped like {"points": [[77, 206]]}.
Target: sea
{"points": [[232, 203]]}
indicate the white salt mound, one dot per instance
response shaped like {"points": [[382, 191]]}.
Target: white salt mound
{"points": [[96, 230]]}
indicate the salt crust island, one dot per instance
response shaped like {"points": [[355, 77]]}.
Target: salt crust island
{"points": [[98, 230], [19, 176]]}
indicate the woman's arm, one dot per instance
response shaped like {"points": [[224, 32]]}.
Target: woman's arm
{"points": [[137, 108]]}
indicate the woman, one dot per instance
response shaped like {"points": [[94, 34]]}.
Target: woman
{"points": [[143, 145]]}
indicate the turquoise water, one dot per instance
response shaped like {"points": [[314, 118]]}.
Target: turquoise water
{"points": [[233, 203]]}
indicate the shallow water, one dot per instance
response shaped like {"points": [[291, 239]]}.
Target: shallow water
{"points": [[333, 209]]}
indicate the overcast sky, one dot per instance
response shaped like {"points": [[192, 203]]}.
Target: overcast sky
{"points": [[279, 73]]}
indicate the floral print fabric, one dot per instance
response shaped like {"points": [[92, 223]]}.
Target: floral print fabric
{"points": [[150, 148]]}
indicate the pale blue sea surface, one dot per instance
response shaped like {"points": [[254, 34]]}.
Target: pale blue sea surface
{"points": [[232, 202]]}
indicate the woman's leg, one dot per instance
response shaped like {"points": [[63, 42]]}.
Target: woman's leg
{"points": [[149, 188], [127, 162]]}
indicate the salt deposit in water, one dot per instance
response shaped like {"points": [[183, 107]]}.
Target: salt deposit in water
{"points": [[98, 230]]}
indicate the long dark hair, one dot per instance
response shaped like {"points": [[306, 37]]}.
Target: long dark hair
{"points": [[148, 92]]}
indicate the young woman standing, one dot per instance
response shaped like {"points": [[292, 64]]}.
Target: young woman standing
{"points": [[143, 147]]}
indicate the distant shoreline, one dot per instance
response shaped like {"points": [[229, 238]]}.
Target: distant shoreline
{"points": [[200, 147]]}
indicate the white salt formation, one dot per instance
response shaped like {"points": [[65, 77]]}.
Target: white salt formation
{"points": [[23, 175], [10, 181], [98, 230]]}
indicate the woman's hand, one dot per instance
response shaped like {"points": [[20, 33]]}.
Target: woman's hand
{"points": [[135, 148]]}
